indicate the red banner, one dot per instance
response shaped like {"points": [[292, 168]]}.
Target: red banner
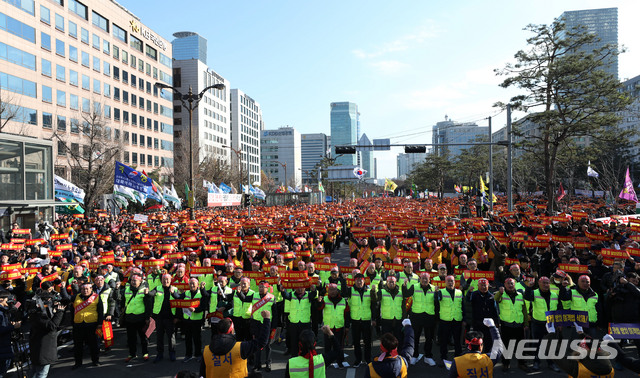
{"points": [[184, 303], [443, 284], [477, 274], [296, 284], [10, 246], [21, 231], [200, 270], [8, 267], [396, 267], [150, 263], [411, 255], [351, 281], [573, 268], [614, 253], [294, 275], [35, 241], [325, 267], [255, 275], [174, 255], [64, 247], [58, 236], [34, 270]]}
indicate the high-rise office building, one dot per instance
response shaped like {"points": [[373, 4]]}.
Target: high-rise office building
{"points": [[246, 124], [66, 60], [601, 22], [314, 149], [407, 163], [366, 156], [281, 155], [448, 131], [189, 45], [344, 130]]}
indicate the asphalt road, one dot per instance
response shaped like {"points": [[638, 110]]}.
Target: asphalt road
{"points": [[113, 364]]}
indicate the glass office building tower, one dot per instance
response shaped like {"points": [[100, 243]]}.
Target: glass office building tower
{"points": [[189, 45], [344, 130]]}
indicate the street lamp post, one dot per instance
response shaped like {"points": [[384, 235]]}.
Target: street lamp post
{"points": [[190, 102]]}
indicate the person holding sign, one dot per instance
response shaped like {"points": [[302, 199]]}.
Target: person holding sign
{"points": [[264, 300], [193, 318], [582, 298], [473, 363], [450, 302], [226, 357]]}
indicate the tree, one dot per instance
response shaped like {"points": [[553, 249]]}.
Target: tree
{"points": [[91, 155], [8, 111], [433, 173], [564, 84]]}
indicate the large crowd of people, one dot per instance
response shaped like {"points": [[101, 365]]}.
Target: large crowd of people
{"points": [[272, 276]]}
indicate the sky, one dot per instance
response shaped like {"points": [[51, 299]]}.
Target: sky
{"points": [[406, 64]]}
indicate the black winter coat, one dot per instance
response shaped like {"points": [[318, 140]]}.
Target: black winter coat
{"points": [[43, 340]]}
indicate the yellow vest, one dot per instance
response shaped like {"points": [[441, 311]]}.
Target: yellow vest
{"points": [[451, 309], [578, 303], [194, 315], [88, 314], [583, 372], [333, 315], [134, 305], [540, 305], [228, 365], [300, 309], [423, 303], [390, 307], [360, 307], [510, 311], [473, 365]]}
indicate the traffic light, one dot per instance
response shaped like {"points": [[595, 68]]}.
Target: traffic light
{"points": [[345, 150], [247, 200], [415, 149]]}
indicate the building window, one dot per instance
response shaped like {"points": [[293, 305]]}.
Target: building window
{"points": [[59, 22], [74, 125], [133, 80], [74, 102], [116, 93], [46, 67], [106, 68], [116, 73], [96, 64], [47, 119], [151, 52], [86, 82], [96, 41], [61, 98], [116, 52], [116, 114], [62, 148], [106, 90], [125, 77], [100, 21], [47, 95], [86, 105], [73, 78], [134, 158], [86, 59], [96, 86], [125, 57], [18, 28], [107, 111], [133, 62], [78, 8], [119, 33], [134, 139], [135, 43], [61, 73], [45, 41], [73, 53], [62, 123], [106, 47], [45, 15], [73, 29], [84, 35], [60, 48]]}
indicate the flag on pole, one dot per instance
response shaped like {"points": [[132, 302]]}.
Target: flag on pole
{"points": [[320, 187], [389, 186], [189, 195], [457, 188], [628, 193], [359, 172], [561, 193], [591, 172], [483, 187]]}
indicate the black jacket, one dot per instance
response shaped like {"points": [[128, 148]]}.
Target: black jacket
{"points": [[43, 337], [390, 366], [5, 334]]}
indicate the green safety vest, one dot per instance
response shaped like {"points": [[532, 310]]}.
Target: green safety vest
{"points": [[414, 279], [360, 307], [134, 305], [376, 281], [242, 309], [194, 315], [511, 311], [451, 309], [157, 301], [208, 280], [266, 307], [390, 308], [104, 296], [213, 303], [333, 315], [299, 367], [300, 309], [578, 303], [287, 302], [154, 282], [324, 276], [423, 303], [540, 305]]}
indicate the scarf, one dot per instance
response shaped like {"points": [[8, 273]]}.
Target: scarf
{"points": [[309, 356], [393, 353]]}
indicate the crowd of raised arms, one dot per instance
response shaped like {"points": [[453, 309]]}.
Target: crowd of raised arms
{"points": [[419, 278]]}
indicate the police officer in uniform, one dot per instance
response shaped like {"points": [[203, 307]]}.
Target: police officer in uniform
{"points": [[226, 357]]}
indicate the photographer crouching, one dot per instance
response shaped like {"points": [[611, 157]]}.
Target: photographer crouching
{"points": [[7, 326], [45, 317]]}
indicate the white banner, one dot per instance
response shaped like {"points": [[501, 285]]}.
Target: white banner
{"points": [[218, 199], [140, 218], [65, 189]]}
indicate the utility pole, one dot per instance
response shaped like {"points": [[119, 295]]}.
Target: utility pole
{"points": [[490, 167], [509, 161]]}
